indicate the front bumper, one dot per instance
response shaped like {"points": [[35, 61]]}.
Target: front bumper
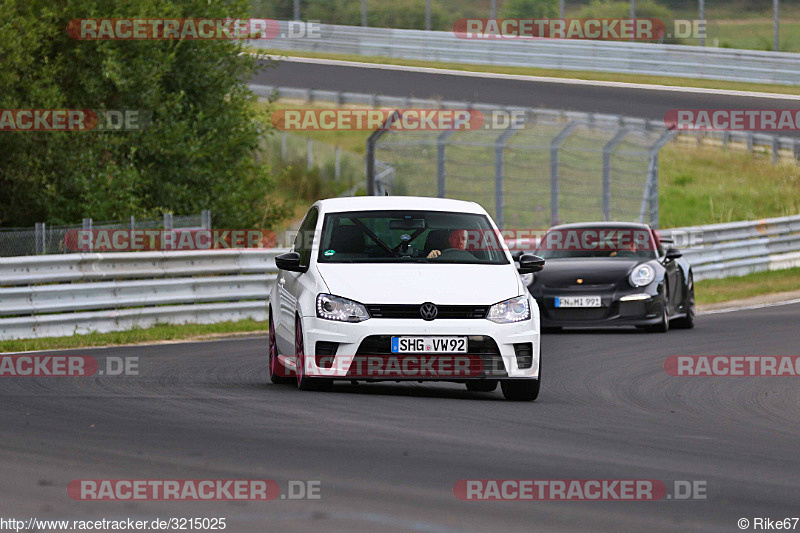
{"points": [[489, 342], [612, 312]]}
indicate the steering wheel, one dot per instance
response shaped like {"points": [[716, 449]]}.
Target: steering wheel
{"points": [[455, 253]]}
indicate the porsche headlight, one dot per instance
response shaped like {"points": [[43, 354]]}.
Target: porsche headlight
{"points": [[512, 310], [341, 309], [642, 275]]}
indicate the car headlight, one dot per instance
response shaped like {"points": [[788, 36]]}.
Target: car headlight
{"points": [[512, 310], [642, 275], [332, 307]]}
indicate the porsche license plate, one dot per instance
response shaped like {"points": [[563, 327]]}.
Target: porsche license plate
{"points": [[429, 344], [578, 301]]}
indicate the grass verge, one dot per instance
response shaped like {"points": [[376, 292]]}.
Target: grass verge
{"points": [[162, 332], [711, 291], [550, 73]]}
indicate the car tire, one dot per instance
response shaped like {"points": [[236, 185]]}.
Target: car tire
{"points": [[687, 322], [277, 372], [522, 390], [304, 382], [483, 385], [663, 325]]}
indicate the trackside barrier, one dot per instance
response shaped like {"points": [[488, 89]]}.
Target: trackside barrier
{"points": [[739, 248], [598, 56], [61, 295]]}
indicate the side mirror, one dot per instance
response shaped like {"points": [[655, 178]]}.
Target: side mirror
{"points": [[672, 254], [528, 264], [289, 261], [515, 255]]}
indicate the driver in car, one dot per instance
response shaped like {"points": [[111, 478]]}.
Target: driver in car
{"points": [[457, 240]]}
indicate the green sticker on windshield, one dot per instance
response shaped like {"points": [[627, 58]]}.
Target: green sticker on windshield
{"points": [[329, 252]]}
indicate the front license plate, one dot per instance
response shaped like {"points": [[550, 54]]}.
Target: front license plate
{"points": [[578, 301], [429, 345]]}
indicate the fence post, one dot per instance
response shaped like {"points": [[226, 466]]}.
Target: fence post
{"points": [[555, 144], [337, 166], [651, 188], [607, 149], [369, 158], [205, 218], [39, 238], [309, 154], [87, 226], [441, 169], [167, 221], [133, 223], [499, 174], [775, 148], [283, 146]]}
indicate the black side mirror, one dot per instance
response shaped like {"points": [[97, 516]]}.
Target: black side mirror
{"points": [[528, 264], [672, 254], [515, 255], [290, 261]]}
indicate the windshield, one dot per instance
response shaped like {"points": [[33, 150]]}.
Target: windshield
{"points": [[597, 242], [409, 236]]}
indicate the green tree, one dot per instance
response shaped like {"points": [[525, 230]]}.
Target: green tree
{"points": [[199, 151]]}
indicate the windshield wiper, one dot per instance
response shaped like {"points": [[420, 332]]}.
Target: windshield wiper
{"points": [[375, 238]]}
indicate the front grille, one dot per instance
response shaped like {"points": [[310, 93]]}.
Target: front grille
{"points": [[479, 346], [577, 313], [412, 311]]}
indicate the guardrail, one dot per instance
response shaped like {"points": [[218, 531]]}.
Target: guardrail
{"points": [[739, 248], [61, 295], [779, 147], [596, 56]]}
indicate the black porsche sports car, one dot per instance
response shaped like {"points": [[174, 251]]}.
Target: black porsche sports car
{"points": [[612, 274]]}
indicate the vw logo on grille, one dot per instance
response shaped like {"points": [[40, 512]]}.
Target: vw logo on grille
{"points": [[428, 311]]}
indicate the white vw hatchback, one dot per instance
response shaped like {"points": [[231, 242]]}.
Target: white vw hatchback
{"points": [[403, 288]]}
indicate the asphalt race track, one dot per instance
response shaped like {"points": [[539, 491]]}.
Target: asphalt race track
{"points": [[388, 455], [634, 102]]}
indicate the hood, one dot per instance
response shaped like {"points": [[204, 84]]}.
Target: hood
{"points": [[565, 272], [418, 282]]}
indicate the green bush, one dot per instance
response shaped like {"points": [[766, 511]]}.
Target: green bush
{"points": [[622, 9], [529, 9]]}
